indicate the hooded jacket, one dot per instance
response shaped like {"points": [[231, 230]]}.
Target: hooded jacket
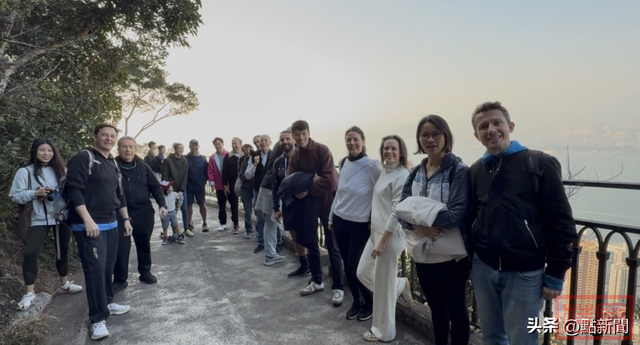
{"points": [[138, 183], [42, 209], [176, 170]]}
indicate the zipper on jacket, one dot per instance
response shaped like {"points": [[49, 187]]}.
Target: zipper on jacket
{"points": [[531, 233]]}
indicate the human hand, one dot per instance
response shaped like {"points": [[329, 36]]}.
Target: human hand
{"points": [[379, 249], [427, 230], [256, 160], [163, 213], [180, 195], [277, 215], [127, 228], [91, 228], [550, 294], [302, 194], [226, 190], [41, 192], [316, 178]]}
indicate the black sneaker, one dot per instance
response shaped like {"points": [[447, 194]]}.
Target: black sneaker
{"points": [[258, 249], [119, 286], [205, 228], [365, 314], [300, 272], [148, 278], [354, 311], [279, 248]]}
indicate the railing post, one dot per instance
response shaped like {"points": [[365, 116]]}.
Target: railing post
{"points": [[632, 263], [603, 256], [573, 285]]}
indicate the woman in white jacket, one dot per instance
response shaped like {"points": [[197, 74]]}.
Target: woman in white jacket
{"points": [[39, 183], [378, 268]]}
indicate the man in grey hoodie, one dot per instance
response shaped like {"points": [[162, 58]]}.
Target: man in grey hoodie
{"points": [[176, 168]]}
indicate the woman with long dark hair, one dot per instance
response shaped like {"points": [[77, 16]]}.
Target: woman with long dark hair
{"points": [[39, 183]]}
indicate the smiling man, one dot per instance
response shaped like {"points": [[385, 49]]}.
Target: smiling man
{"points": [[522, 227]]}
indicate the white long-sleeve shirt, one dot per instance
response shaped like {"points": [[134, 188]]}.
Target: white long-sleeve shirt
{"points": [[386, 195], [355, 190]]}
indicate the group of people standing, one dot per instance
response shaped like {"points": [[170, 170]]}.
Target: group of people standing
{"points": [[505, 222]]}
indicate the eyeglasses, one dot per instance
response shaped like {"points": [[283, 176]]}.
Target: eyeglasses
{"points": [[435, 135]]}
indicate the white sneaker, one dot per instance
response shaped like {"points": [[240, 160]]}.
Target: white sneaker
{"points": [[311, 288], [338, 297], [118, 309], [99, 330], [69, 287], [222, 227], [26, 301]]}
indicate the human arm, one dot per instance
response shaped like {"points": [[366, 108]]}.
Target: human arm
{"points": [[382, 244], [458, 203], [156, 191], [20, 192], [165, 171], [126, 221], [250, 172], [326, 180], [210, 171]]}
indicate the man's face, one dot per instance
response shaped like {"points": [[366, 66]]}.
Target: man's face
{"points": [[265, 143], [236, 145], [194, 147], [286, 142], [164, 150], [301, 138], [218, 145], [178, 150], [256, 142], [492, 130], [105, 139], [153, 147], [127, 150]]}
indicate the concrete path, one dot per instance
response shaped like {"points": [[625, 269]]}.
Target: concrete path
{"points": [[215, 290]]}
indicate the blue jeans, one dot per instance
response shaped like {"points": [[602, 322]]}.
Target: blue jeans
{"points": [[247, 204], [260, 223], [505, 301], [183, 210]]}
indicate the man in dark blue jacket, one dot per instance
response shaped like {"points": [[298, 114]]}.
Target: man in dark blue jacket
{"points": [[196, 182], [95, 196], [522, 230]]}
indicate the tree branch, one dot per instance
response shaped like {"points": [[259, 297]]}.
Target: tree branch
{"points": [[6, 30]]}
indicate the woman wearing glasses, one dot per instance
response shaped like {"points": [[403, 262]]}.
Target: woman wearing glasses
{"points": [[442, 177]]}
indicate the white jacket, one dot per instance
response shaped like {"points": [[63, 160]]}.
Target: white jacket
{"points": [[419, 210]]}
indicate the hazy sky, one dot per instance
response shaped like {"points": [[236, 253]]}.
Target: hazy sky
{"points": [[259, 65]]}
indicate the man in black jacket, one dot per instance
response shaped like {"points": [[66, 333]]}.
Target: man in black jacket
{"points": [[257, 169], [95, 196], [230, 167], [138, 183], [522, 229]]}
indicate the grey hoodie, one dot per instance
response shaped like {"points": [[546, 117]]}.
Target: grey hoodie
{"points": [[21, 194]]}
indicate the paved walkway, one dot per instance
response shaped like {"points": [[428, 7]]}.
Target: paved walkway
{"points": [[215, 290]]}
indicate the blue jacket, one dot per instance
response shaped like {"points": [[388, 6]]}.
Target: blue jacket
{"points": [[197, 177]]}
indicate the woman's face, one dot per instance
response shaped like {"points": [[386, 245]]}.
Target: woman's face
{"points": [[44, 154], [431, 139], [391, 151], [245, 151], [354, 143]]}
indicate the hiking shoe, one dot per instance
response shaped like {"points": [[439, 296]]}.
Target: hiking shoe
{"points": [[353, 312], [99, 330], [235, 231], [26, 301], [222, 227], [270, 261], [311, 288], [148, 278], [181, 240], [188, 232], [118, 309], [279, 248], [69, 287], [338, 297], [165, 241], [119, 286], [300, 272], [365, 314], [205, 228], [248, 236], [258, 249]]}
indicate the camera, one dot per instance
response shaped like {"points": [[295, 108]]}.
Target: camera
{"points": [[54, 194]]}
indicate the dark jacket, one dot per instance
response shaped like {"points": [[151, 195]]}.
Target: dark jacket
{"points": [[515, 228], [317, 159], [273, 155], [261, 170], [176, 170], [300, 215], [138, 183], [278, 174], [152, 161], [243, 162], [99, 192], [197, 177], [230, 167]]}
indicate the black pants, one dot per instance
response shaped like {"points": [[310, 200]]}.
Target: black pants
{"points": [[222, 206], [98, 257], [444, 285], [36, 237], [335, 260], [352, 237], [233, 203], [142, 228]]}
